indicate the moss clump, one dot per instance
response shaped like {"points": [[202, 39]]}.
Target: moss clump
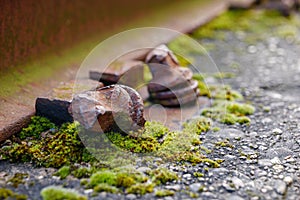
{"points": [[128, 176], [36, 127], [82, 172], [62, 148], [63, 172], [17, 179], [141, 188], [213, 163], [7, 194], [164, 193], [258, 23], [224, 143], [229, 112], [106, 176], [224, 92], [104, 187], [123, 177], [144, 141], [207, 151], [216, 129], [60, 193], [198, 125], [198, 174], [162, 176], [239, 109]]}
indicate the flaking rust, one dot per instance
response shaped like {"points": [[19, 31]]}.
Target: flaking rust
{"points": [[111, 108], [171, 85]]}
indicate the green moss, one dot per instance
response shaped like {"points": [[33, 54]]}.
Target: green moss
{"points": [[17, 179], [128, 176], [104, 187], [207, 151], [141, 188], [60, 193], [224, 143], [63, 172], [198, 125], [36, 127], [143, 141], [216, 129], [63, 148], [216, 91], [240, 109], [243, 120], [107, 177], [198, 174], [229, 112], [155, 129], [259, 25], [162, 176], [213, 163], [7, 194], [82, 172], [193, 194], [123, 180], [84, 181], [164, 193]]}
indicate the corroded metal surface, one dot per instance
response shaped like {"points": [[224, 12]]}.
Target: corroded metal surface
{"points": [[113, 73], [176, 93], [171, 84], [115, 107], [162, 55]]}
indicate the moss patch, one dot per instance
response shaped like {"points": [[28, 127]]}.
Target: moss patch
{"points": [[7, 194], [17, 179], [162, 176], [141, 188], [164, 193], [60, 193], [36, 127], [104, 187], [61, 148], [63, 172], [107, 177], [259, 23], [229, 112]]}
